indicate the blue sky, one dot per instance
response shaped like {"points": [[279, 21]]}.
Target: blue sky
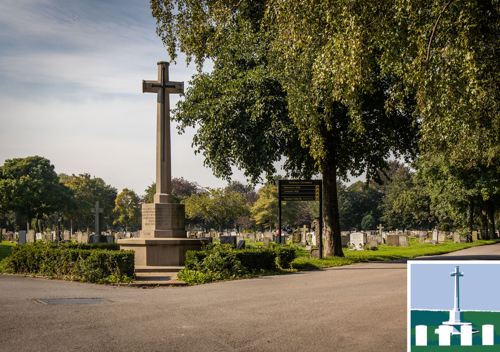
{"points": [[70, 90], [432, 286]]}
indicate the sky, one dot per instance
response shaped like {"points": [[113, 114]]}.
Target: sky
{"points": [[71, 76], [432, 286]]}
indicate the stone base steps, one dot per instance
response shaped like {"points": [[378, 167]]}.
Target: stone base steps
{"points": [[158, 269], [152, 276]]}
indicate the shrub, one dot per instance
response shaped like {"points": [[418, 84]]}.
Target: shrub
{"points": [[73, 262], [222, 262]]}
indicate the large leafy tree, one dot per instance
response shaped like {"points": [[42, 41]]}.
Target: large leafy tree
{"points": [[89, 189], [217, 205], [127, 209], [30, 188], [251, 111], [265, 209]]}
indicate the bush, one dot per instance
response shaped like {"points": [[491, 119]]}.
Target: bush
{"points": [[222, 262], [72, 262], [445, 227]]}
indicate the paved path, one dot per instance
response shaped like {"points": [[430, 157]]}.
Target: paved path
{"points": [[360, 307]]}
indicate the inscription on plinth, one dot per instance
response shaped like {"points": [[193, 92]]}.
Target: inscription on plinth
{"points": [[163, 220]]}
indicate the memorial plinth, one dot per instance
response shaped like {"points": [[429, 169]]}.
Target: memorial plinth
{"points": [[163, 239]]}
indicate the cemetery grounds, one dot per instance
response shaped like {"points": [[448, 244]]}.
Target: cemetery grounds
{"points": [[383, 253]]}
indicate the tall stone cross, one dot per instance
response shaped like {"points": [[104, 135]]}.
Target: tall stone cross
{"points": [[380, 228], [457, 274], [96, 211], [163, 87]]}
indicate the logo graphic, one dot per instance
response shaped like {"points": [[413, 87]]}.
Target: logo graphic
{"points": [[453, 303]]}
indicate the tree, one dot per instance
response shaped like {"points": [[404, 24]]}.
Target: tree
{"points": [[216, 204], [181, 189], [251, 115], [127, 209], [360, 200], [461, 189], [265, 210], [89, 189], [30, 187]]}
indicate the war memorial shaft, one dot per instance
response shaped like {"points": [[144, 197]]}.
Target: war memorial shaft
{"points": [[163, 241]]}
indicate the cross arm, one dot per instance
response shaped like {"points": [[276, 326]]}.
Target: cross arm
{"points": [[155, 86]]}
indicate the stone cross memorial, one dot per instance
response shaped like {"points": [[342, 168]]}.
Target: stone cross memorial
{"points": [[163, 239], [96, 210]]}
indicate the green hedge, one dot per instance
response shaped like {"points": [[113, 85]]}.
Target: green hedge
{"points": [[222, 262], [70, 261]]}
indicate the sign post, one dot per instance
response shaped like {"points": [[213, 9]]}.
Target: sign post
{"points": [[301, 191]]}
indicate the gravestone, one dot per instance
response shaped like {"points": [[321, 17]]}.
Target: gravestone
{"points": [[441, 237], [49, 237], [79, 236], [267, 241], [241, 244], [403, 241], [9, 236], [344, 239], [373, 244], [308, 248], [268, 235], [97, 239], [474, 236], [228, 240], [435, 235], [85, 238], [358, 240], [252, 238], [38, 236], [22, 237], [239, 238], [110, 239], [30, 236], [296, 238], [66, 235], [392, 240], [314, 253], [4, 231], [421, 239], [245, 236], [456, 238]]}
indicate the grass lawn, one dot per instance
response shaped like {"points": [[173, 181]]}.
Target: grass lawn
{"points": [[384, 252]]}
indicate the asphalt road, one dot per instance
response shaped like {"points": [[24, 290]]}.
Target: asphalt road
{"points": [[360, 307]]}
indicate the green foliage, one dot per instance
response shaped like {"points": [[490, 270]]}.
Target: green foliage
{"points": [[88, 190], [368, 222], [268, 96], [30, 188], [127, 209], [265, 210], [216, 204], [72, 261], [223, 262], [359, 200], [445, 226]]}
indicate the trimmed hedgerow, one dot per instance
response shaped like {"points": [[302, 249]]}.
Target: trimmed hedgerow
{"points": [[72, 262], [223, 262]]}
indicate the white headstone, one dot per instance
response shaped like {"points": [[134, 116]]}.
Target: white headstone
{"points": [[357, 239]]}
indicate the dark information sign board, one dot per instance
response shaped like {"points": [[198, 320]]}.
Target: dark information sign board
{"points": [[301, 191]]}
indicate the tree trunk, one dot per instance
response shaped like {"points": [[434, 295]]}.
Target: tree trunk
{"points": [[331, 221], [491, 219], [471, 220], [484, 221]]}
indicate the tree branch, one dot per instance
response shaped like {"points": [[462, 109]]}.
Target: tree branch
{"points": [[434, 30]]}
